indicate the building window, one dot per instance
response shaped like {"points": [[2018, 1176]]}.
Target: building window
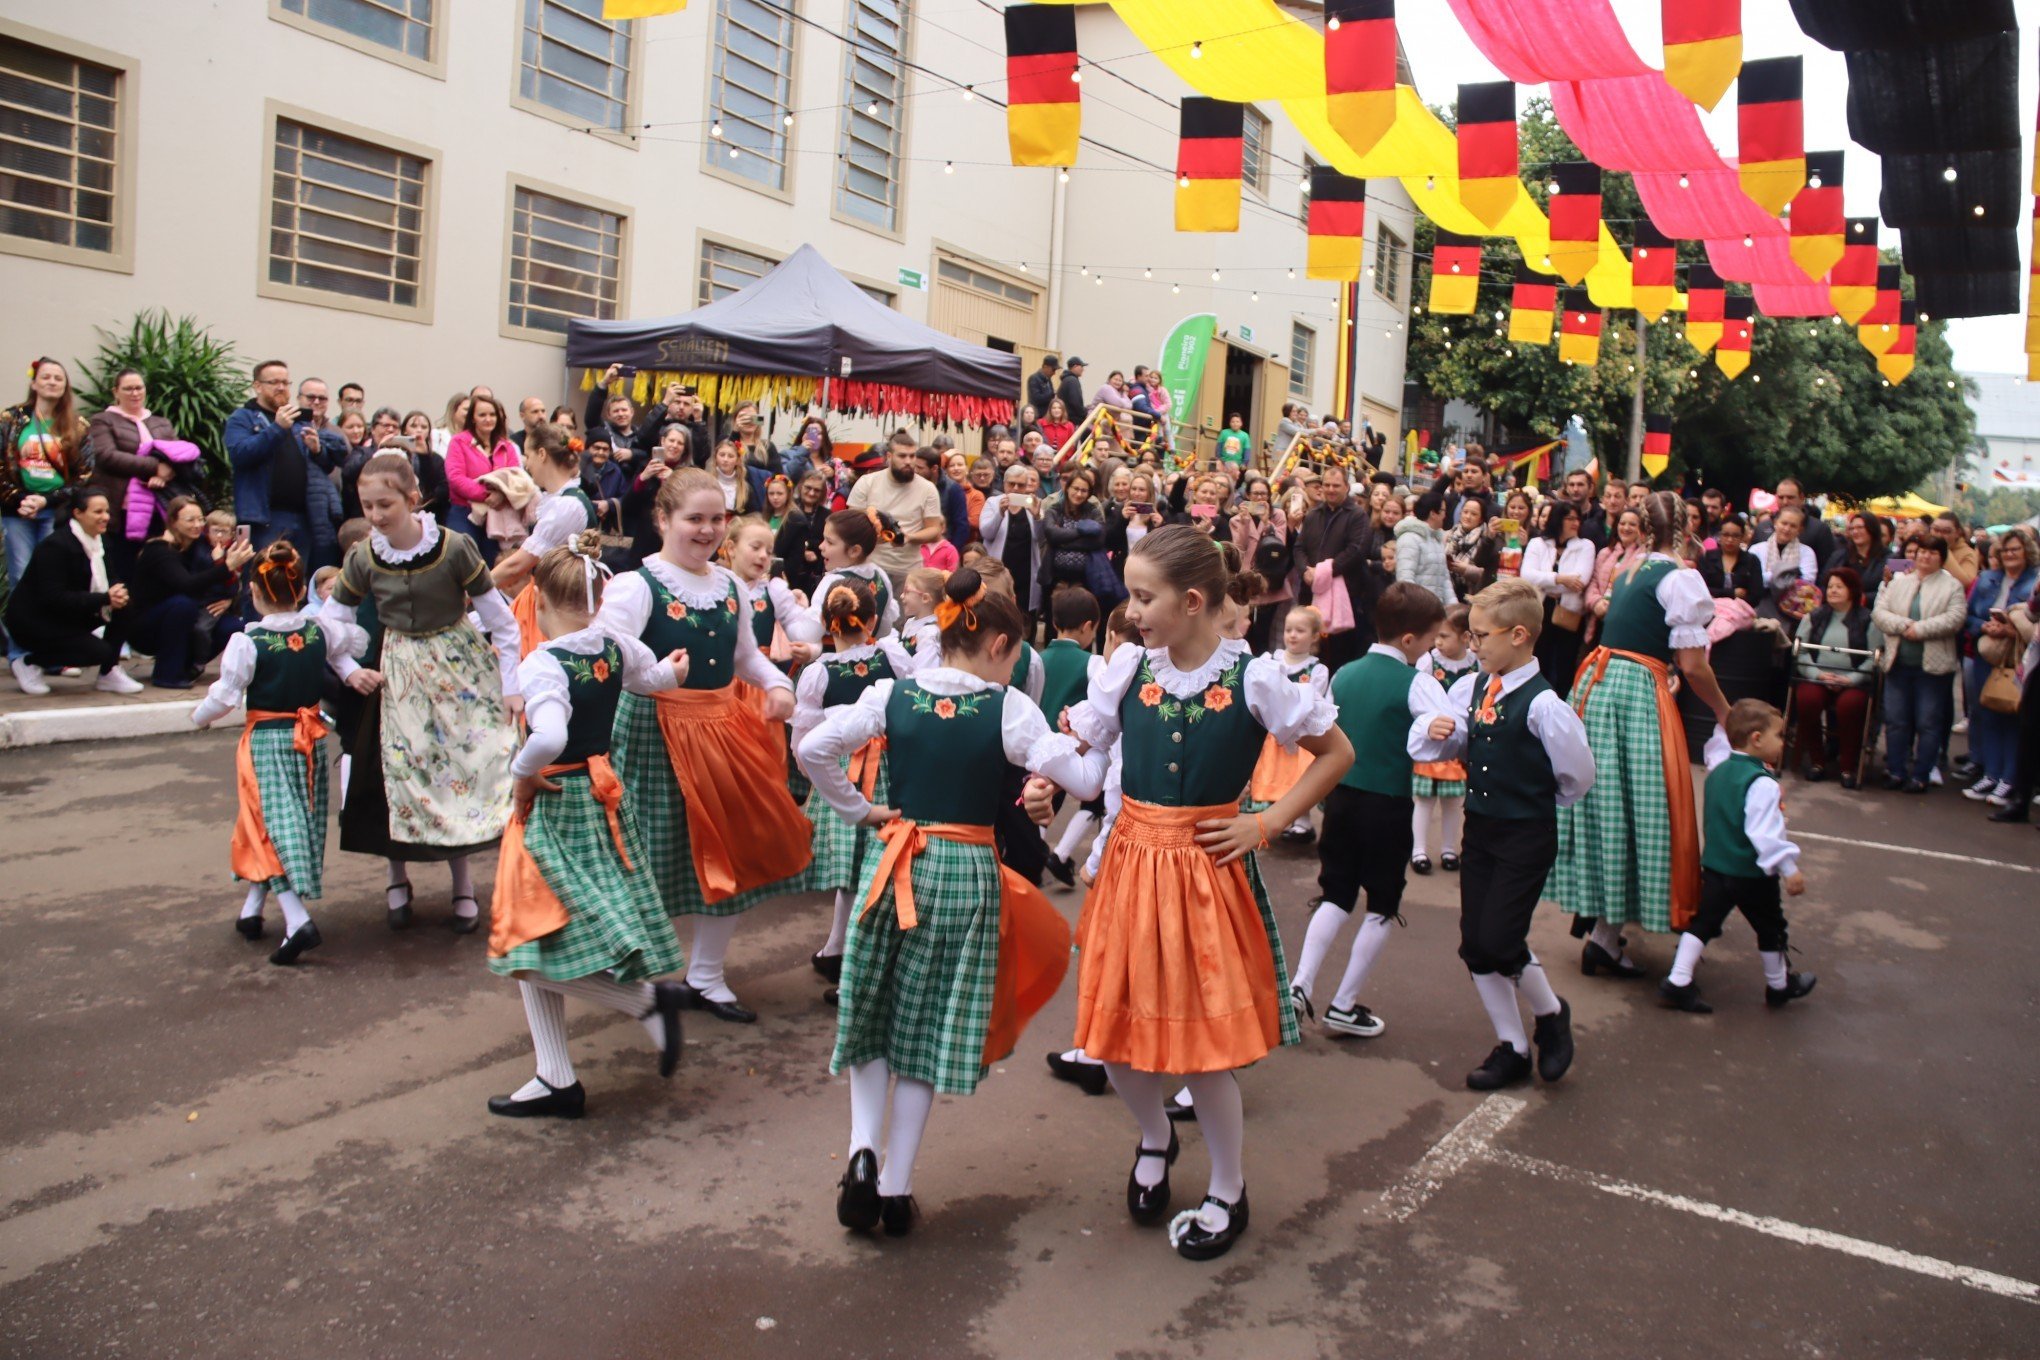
{"points": [[725, 269], [1388, 261], [991, 286], [576, 62], [402, 27], [751, 91], [1303, 200], [566, 261], [1302, 355], [1254, 151], [60, 152], [347, 217], [874, 73], [878, 295]]}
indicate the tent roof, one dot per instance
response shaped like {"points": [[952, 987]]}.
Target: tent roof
{"points": [[804, 319]]}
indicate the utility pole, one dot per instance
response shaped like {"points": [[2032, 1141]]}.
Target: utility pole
{"points": [[1635, 469]]}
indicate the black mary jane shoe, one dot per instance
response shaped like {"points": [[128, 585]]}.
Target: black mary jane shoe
{"points": [[1816, 774], [1449, 862], [399, 916], [467, 925], [1421, 863], [829, 966], [834, 996], [897, 1213], [1064, 871], [1199, 1243], [1149, 1204], [1683, 998], [692, 998], [558, 1102], [1088, 1077], [1595, 960], [1178, 1112], [249, 927], [857, 1200], [1796, 986], [1849, 780], [667, 1005], [297, 942]]}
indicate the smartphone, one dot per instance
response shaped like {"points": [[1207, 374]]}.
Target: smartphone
{"points": [[1024, 502], [242, 532], [777, 568], [1204, 512], [1258, 509], [626, 371], [1141, 507], [2000, 616]]}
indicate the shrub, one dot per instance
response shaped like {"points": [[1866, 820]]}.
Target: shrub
{"points": [[195, 382]]}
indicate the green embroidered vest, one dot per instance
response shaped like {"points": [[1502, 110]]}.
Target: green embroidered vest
{"points": [[875, 577], [1194, 752], [708, 636], [1373, 695], [1066, 671], [946, 754], [764, 616], [594, 685], [849, 679], [1508, 772], [290, 669], [1727, 848], [1635, 621], [1023, 667]]}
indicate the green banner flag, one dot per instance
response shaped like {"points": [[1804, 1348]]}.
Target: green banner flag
{"points": [[1182, 362]]}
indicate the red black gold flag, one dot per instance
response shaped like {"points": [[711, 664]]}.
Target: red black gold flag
{"points": [[1819, 233], [1360, 70], [1706, 307], [1852, 283], [1575, 219], [1579, 329], [1487, 150], [1043, 112], [1657, 445], [1703, 47], [1878, 330], [1532, 303], [1653, 270], [2033, 286], [1208, 162], [1337, 223], [1455, 274], [1896, 362], [1739, 324], [1772, 131]]}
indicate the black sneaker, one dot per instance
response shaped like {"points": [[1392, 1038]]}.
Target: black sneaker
{"points": [[1796, 986], [1359, 1022], [1686, 998], [1300, 1002], [1553, 1037], [1504, 1067]]}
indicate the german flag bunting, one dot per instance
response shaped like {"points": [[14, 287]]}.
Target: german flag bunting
{"points": [[1533, 303], [1337, 223], [1818, 228], [1579, 329], [1738, 330], [1653, 270], [1455, 274], [1897, 362], [1706, 306], [1852, 283], [2033, 287], [1703, 47], [1771, 127], [1487, 150], [1575, 213], [1360, 70], [1208, 162], [1043, 112], [1878, 330], [1657, 445]]}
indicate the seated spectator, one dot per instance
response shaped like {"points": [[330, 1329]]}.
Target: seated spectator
{"points": [[119, 441], [178, 614], [1836, 663], [65, 610], [1732, 572]]}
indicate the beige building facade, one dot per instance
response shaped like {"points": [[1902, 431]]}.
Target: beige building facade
{"points": [[418, 194]]}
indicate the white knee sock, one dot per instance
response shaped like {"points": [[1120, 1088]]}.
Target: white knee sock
{"points": [[1324, 927], [1688, 958], [1455, 812], [912, 1101], [1222, 1121], [294, 914], [1073, 834], [547, 1014], [839, 926], [346, 769], [1186, 1097], [868, 1083], [400, 872], [1774, 969], [252, 905], [1535, 987], [705, 960], [1368, 942], [1142, 1092], [463, 887], [1498, 995], [1420, 827], [634, 999]]}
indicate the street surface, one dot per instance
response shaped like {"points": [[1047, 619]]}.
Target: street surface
{"points": [[205, 1155]]}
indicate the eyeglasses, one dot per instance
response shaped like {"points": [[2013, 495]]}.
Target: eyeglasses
{"points": [[315, 401], [1477, 634]]}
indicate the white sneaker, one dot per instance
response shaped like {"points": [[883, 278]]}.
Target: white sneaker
{"points": [[30, 678], [1981, 789], [1960, 727], [1934, 777], [2001, 794], [118, 681]]}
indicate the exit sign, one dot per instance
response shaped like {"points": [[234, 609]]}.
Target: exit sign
{"points": [[914, 278], [1247, 334]]}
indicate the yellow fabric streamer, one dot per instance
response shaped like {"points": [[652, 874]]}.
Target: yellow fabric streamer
{"points": [[640, 9], [777, 391]]}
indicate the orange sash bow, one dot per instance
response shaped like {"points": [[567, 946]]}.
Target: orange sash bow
{"points": [[741, 822], [251, 853], [1678, 777], [864, 763], [524, 907]]}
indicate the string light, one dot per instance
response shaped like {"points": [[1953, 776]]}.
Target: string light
{"points": [[1292, 271], [1101, 280], [949, 167], [1214, 276], [1182, 181], [969, 93], [1756, 377], [1508, 354], [1083, 271], [872, 108], [1813, 180], [1303, 183], [733, 153], [1063, 174], [1254, 296], [1685, 183], [1430, 181], [1979, 210], [1175, 287], [787, 120], [1076, 77], [1196, 51], [1147, 273], [1332, 24], [1749, 242], [715, 128], [1949, 173]]}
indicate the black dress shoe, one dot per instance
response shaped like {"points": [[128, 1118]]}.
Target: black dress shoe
{"points": [[297, 942], [1504, 1067], [1796, 986], [1595, 960], [1199, 1243], [1149, 1204], [830, 966], [668, 1005], [857, 1204], [250, 927], [1064, 871], [399, 916], [1686, 998], [1178, 1112], [1894, 782], [1816, 774], [2014, 811], [1915, 786], [897, 1213], [1848, 779], [558, 1102], [1089, 1077], [1298, 835], [1421, 863], [833, 996], [692, 998], [1449, 862], [466, 925], [1553, 1037]]}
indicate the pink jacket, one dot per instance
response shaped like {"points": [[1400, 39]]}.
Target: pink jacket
{"points": [[466, 465]]}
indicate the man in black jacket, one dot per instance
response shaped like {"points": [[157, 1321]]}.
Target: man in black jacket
{"points": [[1342, 532], [1071, 391], [680, 407], [1041, 386]]}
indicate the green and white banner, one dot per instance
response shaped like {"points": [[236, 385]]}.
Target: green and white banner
{"points": [[1182, 362]]}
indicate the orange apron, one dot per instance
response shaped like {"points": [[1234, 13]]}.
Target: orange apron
{"points": [[524, 907], [741, 821], [1685, 821], [1034, 940], [252, 855], [1277, 771]]}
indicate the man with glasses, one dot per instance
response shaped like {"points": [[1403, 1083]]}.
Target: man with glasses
{"points": [[353, 399], [271, 469], [324, 444]]}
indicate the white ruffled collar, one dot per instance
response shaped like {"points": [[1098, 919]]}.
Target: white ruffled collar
{"points": [[1183, 684], [949, 680], [863, 653], [1293, 664], [587, 641], [696, 592], [395, 556], [289, 621]]}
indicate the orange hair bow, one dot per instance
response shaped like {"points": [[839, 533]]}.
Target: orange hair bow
{"points": [[885, 535], [949, 611]]}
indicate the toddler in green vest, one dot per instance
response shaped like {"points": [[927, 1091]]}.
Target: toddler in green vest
{"points": [[1066, 669], [1746, 859]]}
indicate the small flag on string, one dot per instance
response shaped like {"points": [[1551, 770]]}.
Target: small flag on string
{"points": [[1044, 112], [1852, 283], [1878, 330], [1703, 47], [1897, 362], [1575, 212], [1771, 131], [1337, 224], [1732, 355], [1455, 274], [1706, 306], [640, 9], [1532, 304], [1487, 150], [1579, 329], [1819, 233], [1657, 445], [1653, 270], [1208, 163], [1360, 49]]}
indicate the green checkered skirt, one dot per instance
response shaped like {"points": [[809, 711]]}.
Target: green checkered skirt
{"points": [[615, 920], [296, 824], [1423, 786], [1615, 844], [842, 850], [651, 795], [922, 998]]}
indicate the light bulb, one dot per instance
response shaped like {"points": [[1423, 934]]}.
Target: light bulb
{"points": [[1498, 332], [1643, 252], [1292, 271], [1951, 384], [872, 108], [1856, 227], [1749, 241], [1448, 344], [1820, 382], [1101, 280], [1508, 354], [715, 128], [1500, 315], [1756, 377], [1979, 210], [969, 93], [733, 153], [1023, 266], [1455, 269], [1949, 173], [1182, 181], [1214, 276], [1084, 271], [1414, 311], [1196, 50], [1685, 183], [1554, 186], [1254, 296], [1147, 273], [949, 167], [1175, 287], [1692, 372], [1332, 24], [1303, 183], [787, 120], [1076, 77], [1813, 180], [1430, 181], [1063, 174], [1547, 262]]}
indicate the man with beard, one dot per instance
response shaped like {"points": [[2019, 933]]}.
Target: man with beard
{"points": [[914, 504]]}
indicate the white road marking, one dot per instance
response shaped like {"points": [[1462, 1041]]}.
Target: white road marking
{"points": [[1915, 850], [1470, 1138]]}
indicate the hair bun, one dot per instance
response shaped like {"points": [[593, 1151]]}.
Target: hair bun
{"points": [[962, 584]]}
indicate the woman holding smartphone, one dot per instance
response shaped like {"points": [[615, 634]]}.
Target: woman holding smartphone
{"points": [[1260, 531], [1132, 518]]}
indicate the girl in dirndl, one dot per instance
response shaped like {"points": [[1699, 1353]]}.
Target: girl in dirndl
{"points": [[779, 624], [1438, 787], [278, 666], [849, 537], [1181, 973], [564, 513], [1279, 766], [576, 912], [842, 848], [948, 953], [430, 779], [699, 769]]}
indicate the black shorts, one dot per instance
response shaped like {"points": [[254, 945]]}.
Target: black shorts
{"points": [[1365, 847]]}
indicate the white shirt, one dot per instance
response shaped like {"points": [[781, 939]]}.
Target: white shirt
{"points": [[237, 662], [1688, 605], [1113, 799], [1772, 559], [627, 608], [788, 611], [490, 611], [1551, 720], [1763, 814], [1320, 678], [926, 633], [1544, 562], [547, 702], [1289, 711], [814, 681], [558, 520]]}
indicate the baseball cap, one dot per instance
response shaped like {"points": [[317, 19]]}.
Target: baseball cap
{"points": [[871, 460], [1076, 362]]}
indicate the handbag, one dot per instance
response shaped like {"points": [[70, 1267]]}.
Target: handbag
{"points": [[1995, 651], [1271, 556], [2000, 693], [1568, 619]]}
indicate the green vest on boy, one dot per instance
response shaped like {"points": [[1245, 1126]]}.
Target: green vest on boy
{"points": [[1066, 671], [1373, 696], [1727, 848], [1508, 771]]}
